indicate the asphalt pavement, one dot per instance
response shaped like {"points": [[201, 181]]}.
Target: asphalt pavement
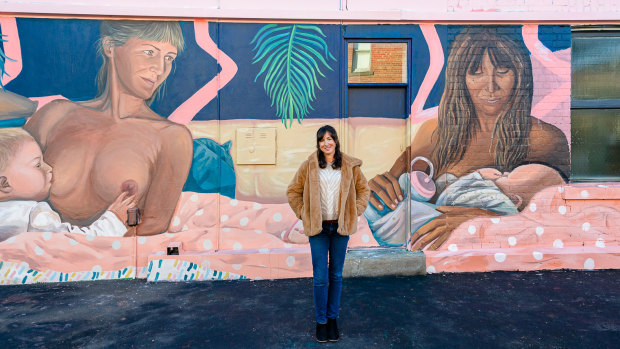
{"points": [[552, 309]]}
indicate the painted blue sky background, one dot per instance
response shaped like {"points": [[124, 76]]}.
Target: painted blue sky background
{"points": [[59, 57]]}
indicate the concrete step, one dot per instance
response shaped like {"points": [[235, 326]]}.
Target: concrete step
{"points": [[383, 261]]}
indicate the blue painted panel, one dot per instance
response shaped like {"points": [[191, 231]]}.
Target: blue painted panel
{"points": [[193, 69], [555, 37], [245, 98], [60, 57], [388, 102], [435, 96]]}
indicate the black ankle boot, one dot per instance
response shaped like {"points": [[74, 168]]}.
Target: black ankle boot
{"points": [[332, 330], [321, 332]]}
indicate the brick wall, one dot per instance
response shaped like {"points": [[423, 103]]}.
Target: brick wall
{"points": [[388, 64]]}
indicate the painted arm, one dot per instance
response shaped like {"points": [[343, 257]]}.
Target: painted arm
{"points": [[170, 172], [434, 233], [549, 146], [44, 120], [43, 218], [13, 105], [385, 186]]}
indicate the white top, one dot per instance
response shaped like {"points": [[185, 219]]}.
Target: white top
{"points": [[19, 216], [330, 192]]}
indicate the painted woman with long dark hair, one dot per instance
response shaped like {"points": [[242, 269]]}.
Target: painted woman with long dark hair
{"points": [[484, 121], [328, 193]]}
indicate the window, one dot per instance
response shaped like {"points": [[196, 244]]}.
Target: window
{"points": [[377, 81], [595, 106], [360, 61]]}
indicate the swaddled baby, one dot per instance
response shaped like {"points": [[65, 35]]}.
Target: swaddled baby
{"points": [[486, 188], [503, 193]]}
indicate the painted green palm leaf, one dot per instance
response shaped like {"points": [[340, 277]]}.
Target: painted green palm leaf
{"points": [[3, 59], [292, 57]]}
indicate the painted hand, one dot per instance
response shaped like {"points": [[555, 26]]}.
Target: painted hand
{"points": [[385, 186], [122, 203], [436, 232]]}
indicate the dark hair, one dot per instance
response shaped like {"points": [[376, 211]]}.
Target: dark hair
{"points": [[337, 156], [457, 121]]}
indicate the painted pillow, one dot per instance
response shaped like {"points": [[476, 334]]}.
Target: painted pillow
{"points": [[212, 168]]}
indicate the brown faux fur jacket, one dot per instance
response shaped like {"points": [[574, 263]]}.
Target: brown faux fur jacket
{"points": [[304, 195]]}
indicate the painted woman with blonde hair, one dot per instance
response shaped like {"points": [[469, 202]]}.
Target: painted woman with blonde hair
{"points": [[484, 121], [115, 143]]}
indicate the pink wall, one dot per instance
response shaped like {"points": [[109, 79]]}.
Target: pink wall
{"points": [[388, 10]]}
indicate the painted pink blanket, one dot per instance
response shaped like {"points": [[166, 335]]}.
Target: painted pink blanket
{"points": [[202, 222], [572, 226]]}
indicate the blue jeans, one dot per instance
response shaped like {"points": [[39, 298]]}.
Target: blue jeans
{"points": [[327, 298]]}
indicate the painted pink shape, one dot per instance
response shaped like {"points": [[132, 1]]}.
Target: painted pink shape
{"points": [[542, 53], [44, 100], [419, 115], [559, 67], [186, 111], [551, 102], [12, 49], [561, 225]]}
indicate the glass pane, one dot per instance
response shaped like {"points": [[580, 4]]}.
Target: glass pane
{"points": [[377, 101], [377, 62], [361, 57], [595, 67], [595, 152]]}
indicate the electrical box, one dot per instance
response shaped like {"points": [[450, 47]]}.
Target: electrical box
{"points": [[256, 146]]}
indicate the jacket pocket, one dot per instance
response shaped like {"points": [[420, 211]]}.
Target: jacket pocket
{"points": [[301, 213]]}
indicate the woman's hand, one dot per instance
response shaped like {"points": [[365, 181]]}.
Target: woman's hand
{"points": [[437, 231], [122, 203], [386, 187]]}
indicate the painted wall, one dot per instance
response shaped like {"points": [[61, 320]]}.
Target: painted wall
{"points": [[500, 202]]}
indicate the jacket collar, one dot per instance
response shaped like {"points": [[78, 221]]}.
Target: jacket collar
{"points": [[347, 161]]}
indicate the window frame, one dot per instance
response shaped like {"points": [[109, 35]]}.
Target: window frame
{"points": [[345, 71], [355, 58], [592, 104]]}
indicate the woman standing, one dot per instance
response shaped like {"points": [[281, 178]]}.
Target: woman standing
{"points": [[328, 193]]}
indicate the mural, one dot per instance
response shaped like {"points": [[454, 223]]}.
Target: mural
{"points": [[484, 120], [152, 114]]}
